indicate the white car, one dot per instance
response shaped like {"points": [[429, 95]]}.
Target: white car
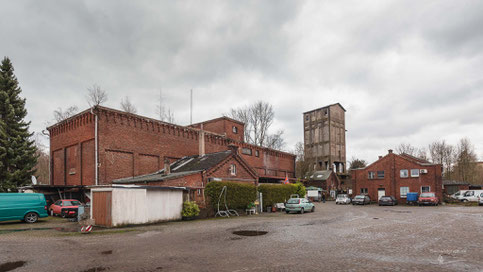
{"points": [[471, 195], [343, 199], [458, 195], [480, 200]]}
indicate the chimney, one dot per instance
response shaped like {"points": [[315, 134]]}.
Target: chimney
{"points": [[167, 167], [233, 148], [380, 157], [201, 139], [390, 151]]}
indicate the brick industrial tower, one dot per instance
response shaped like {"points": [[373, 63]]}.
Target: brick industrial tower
{"points": [[324, 138]]}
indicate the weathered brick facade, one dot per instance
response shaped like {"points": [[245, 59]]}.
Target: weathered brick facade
{"points": [[392, 179], [132, 145]]}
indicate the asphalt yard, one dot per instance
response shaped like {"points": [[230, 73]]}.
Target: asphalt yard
{"points": [[333, 238]]}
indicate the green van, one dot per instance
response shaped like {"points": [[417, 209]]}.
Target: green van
{"points": [[22, 206]]}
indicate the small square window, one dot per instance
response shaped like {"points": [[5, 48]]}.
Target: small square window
{"points": [[257, 153], [247, 151], [404, 173], [235, 130], [380, 174], [425, 189], [371, 175], [414, 173], [307, 117], [364, 191]]}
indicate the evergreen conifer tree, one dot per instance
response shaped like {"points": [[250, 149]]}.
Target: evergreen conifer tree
{"points": [[17, 149]]}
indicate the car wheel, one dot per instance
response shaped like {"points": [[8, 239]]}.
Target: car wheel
{"points": [[465, 200], [313, 209], [31, 217], [302, 211]]}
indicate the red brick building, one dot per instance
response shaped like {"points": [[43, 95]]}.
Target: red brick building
{"points": [[101, 144], [196, 171], [396, 175]]}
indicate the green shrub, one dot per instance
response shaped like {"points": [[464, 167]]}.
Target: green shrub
{"points": [[190, 209], [279, 193], [238, 196]]}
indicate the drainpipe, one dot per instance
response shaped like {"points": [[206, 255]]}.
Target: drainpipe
{"points": [[50, 156], [96, 151]]}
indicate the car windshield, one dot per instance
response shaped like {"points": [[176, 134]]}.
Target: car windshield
{"points": [[341, 196], [427, 195], [385, 198], [359, 197], [293, 201], [72, 203]]}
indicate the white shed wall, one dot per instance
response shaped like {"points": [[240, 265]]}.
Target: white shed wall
{"points": [[141, 206], [164, 205]]}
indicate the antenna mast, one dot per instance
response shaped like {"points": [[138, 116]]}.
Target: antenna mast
{"points": [[191, 106]]}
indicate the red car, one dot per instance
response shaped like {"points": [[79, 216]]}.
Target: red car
{"points": [[428, 198], [65, 207]]}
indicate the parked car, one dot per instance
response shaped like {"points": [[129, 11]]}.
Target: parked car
{"points": [[343, 199], [428, 198], [480, 200], [458, 194], [387, 201], [22, 206], [470, 195], [65, 207], [299, 205], [361, 200]]}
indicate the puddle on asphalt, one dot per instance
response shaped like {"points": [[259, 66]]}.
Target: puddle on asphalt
{"points": [[96, 269], [11, 266], [250, 232], [107, 252]]}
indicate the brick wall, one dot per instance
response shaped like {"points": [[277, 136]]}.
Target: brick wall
{"points": [[391, 164]]}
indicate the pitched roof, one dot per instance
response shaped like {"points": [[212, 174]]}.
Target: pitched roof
{"points": [[183, 167], [321, 175], [335, 104]]}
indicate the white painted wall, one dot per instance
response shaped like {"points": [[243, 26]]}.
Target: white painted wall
{"points": [[141, 206]]}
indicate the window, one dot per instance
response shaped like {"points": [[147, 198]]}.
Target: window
{"points": [[235, 130], [404, 191], [233, 169], [425, 189], [257, 153], [371, 175], [199, 192], [307, 117], [404, 174], [364, 191], [414, 173], [470, 193], [247, 151], [380, 174]]}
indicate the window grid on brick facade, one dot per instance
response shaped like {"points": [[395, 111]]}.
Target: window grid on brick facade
{"points": [[380, 174], [404, 191], [371, 175], [414, 173], [247, 151], [404, 173], [364, 191], [425, 189]]}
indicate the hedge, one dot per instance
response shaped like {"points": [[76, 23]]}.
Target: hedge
{"points": [[279, 193], [238, 195]]}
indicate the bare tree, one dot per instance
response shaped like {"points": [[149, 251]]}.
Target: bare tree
{"points": [[422, 154], [258, 118], [275, 141], [406, 149], [61, 115], [42, 166], [165, 114], [465, 168], [302, 166], [444, 154], [96, 96], [127, 106]]}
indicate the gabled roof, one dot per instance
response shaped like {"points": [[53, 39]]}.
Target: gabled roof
{"points": [[335, 104], [217, 119], [416, 159], [321, 175]]}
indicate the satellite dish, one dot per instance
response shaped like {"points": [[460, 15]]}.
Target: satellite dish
{"points": [[34, 180]]}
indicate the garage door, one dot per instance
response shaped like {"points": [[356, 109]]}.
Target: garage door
{"points": [[101, 208]]}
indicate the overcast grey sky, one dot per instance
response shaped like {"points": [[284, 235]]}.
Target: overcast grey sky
{"points": [[406, 71]]}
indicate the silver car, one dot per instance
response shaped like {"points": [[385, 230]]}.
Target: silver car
{"points": [[343, 199], [480, 200]]}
